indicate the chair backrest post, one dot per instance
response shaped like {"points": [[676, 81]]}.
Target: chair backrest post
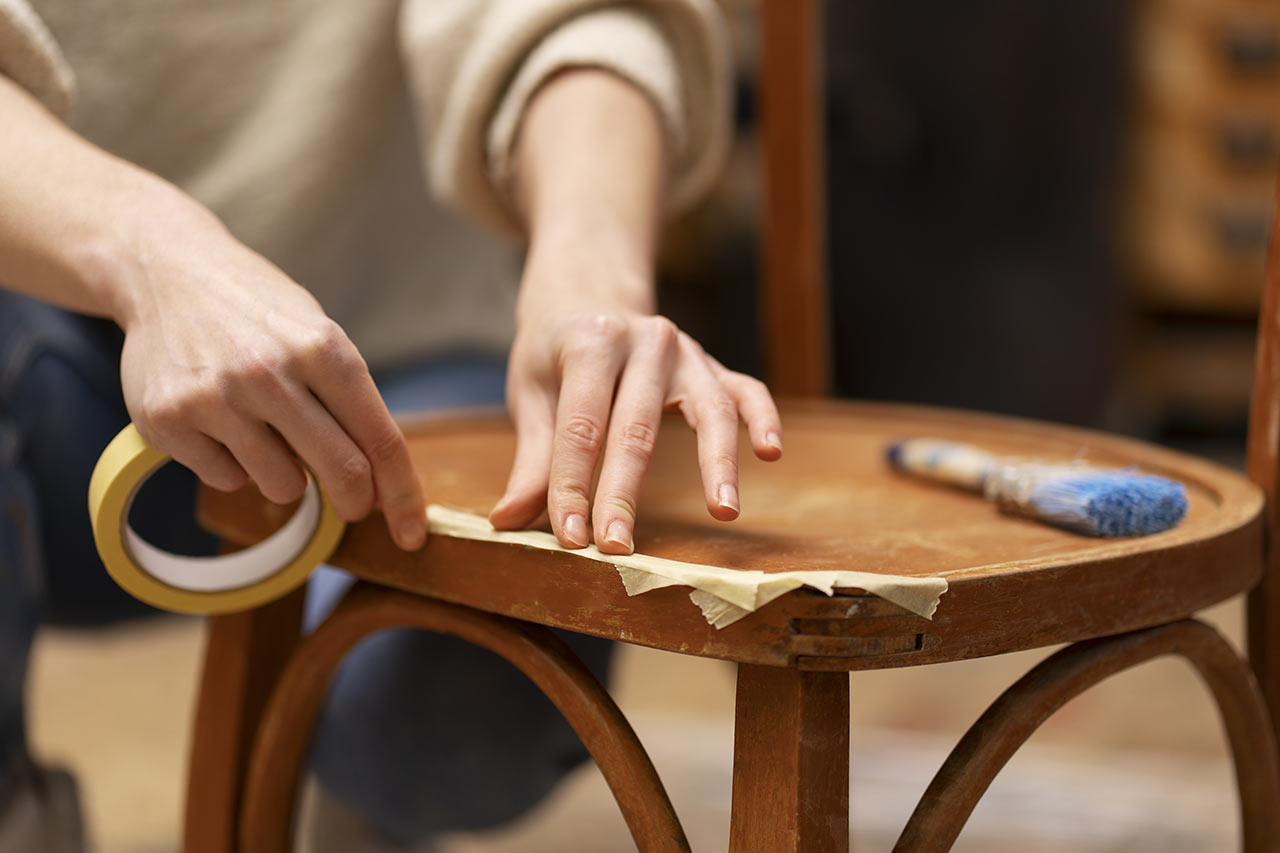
{"points": [[793, 298], [1263, 617]]}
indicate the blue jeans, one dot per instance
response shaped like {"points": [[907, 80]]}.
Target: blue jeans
{"points": [[422, 733]]}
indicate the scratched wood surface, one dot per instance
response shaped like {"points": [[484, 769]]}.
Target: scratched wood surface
{"points": [[831, 503]]}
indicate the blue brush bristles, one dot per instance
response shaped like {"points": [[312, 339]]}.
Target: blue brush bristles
{"points": [[1074, 496], [1110, 503]]}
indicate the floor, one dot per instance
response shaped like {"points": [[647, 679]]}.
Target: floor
{"points": [[1138, 764]]}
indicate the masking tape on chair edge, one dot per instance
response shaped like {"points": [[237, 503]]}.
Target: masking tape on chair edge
{"points": [[123, 467]]}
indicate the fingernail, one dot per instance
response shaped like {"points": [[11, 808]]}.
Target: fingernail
{"points": [[729, 496], [575, 530], [413, 534], [773, 440], [619, 535]]}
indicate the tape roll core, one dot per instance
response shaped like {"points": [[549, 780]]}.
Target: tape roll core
{"points": [[239, 581]]}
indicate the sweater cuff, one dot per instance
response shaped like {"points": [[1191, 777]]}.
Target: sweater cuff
{"points": [[30, 57], [470, 142], [627, 42]]}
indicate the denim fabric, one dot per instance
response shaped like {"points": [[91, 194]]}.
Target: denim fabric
{"points": [[420, 732], [424, 733], [19, 592], [60, 404]]}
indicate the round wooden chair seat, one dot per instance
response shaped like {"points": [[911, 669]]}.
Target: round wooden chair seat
{"points": [[830, 503]]}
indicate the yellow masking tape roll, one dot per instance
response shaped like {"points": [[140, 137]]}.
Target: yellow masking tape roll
{"points": [[239, 581]]}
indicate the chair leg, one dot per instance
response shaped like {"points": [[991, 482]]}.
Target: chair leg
{"points": [[1020, 710], [244, 654], [272, 785], [790, 761], [1263, 624]]}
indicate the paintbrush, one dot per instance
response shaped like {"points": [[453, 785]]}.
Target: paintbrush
{"points": [[1075, 496]]}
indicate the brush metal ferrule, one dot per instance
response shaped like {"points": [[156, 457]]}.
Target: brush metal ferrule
{"points": [[1011, 485]]}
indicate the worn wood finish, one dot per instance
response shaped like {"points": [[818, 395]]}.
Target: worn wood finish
{"points": [[830, 503], [794, 313], [790, 761], [1264, 469], [281, 745], [1020, 710], [244, 654]]}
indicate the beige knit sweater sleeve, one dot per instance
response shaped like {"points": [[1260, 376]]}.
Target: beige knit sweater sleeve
{"points": [[29, 56], [473, 65]]}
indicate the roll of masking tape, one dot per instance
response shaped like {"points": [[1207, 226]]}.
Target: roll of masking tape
{"points": [[239, 581]]}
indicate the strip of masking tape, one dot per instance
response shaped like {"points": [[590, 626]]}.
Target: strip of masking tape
{"points": [[240, 581], [723, 595]]}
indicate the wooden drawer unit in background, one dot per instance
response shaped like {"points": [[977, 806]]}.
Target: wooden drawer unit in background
{"points": [[1205, 141]]}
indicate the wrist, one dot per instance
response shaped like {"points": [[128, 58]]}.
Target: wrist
{"points": [[122, 263], [586, 263]]}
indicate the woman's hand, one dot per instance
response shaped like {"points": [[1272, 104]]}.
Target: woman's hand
{"points": [[593, 367], [228, 365], [232, 368], [561, 392]]}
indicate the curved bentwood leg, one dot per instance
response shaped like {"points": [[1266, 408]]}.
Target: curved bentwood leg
{"points": [[280, 749], [1020, 710]]}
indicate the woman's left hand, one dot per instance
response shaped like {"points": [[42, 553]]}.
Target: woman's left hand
{"points": [[593, 368], [592, 381]]}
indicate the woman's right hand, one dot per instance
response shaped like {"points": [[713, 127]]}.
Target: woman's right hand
{"points": [[228, 366], [236, 372]]}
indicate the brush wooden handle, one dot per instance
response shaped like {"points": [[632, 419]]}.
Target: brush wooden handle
{"points": [[950, 462]]}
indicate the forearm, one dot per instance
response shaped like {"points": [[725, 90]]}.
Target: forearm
{"points": [[589, 177], [72, 222], [228, 365]]}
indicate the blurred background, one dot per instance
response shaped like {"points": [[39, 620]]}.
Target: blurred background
{"points": [[1058, 210]]}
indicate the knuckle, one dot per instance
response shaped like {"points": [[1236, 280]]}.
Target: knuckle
{"points": [[353, 473], [386, 447], [638, 439], [403, 503], [160, 417], [583, 433], [725, 461], [594, 332], [166, 414], [661, 331], [608, 326], [325, 342], [568, 494], [256, 370], [622, 503], [752, 385], [720, 407], [325, 348]]}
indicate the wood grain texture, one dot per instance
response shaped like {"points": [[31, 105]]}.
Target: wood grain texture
{"points": [[790, 761], [794, 305], [1020, 710], [831, 503], [1264, 469], [244, 655], [280, 748]]}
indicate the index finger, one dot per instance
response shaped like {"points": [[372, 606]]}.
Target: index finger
{"points": [[356, 405]]}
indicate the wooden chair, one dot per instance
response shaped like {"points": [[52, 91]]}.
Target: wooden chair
{"points": [[1014, 584]]}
